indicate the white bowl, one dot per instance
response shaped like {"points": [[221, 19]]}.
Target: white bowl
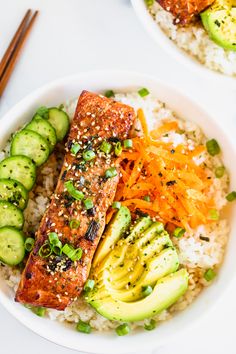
{"points": [[70, 87], [172, 49]]}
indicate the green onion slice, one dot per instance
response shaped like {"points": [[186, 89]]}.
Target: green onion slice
{"points": [[128, 143], [88, 203], [73, 191], [76, 255], [106, 147], [123, 329], [231, 196], [89, 285], [147, 198], [68, 250], [143, 92], [149, 2], [146, 290], [219, 171], [111, 172], [213, 147], [214, 214], [83, 327], [209, 274], [109, 94], [53, 238], [45, 250], [116, 205], [150, 326], [75, 148], [39, 311], [179, 232], [88, 155], [118, 148], [74, 224], [29, 244]]}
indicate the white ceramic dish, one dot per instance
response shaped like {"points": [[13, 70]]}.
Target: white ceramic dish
{"points": [[69, 87], [171, 48]]}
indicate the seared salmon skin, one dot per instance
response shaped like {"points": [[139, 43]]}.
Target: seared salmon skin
{"points": [[78, 209], [184, 11]]}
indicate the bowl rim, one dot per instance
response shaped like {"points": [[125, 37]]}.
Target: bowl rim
{"points": [[146, 340], [177, 53]]}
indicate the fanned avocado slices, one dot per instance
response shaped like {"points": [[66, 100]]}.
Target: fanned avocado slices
{"points": [[135, 270], [219, 20]]}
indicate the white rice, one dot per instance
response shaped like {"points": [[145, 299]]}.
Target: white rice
{"points": [[195, 254], [194, 40]]}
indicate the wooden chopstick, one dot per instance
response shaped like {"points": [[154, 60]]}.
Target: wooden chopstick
{"points": [[13, 43], [13, 51]]}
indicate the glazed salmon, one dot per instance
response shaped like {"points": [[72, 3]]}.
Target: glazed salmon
{"points": [[55, 281], [184, 11]]}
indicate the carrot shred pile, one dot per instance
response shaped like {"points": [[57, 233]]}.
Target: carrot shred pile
{"points": [[175, 185]]}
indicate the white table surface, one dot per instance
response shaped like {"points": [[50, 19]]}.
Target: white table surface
{"points": [[81, 35]]}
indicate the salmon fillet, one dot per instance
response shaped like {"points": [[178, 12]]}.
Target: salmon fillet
{"points": [[56, 281], [184, 10]]}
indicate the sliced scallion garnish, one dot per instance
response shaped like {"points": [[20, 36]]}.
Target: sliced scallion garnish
{"points": [[179, 232], [88, 203], [29, 244], [123, 329], [118, 148], [75, 148], [45, 250], [209, 274], [150, 326], [214, 214], [109, 94], [88, 155], [78, 195], [106, 147], [116, 205], [219, 171], [146, 198], [89, 285], [74, 224], [128, 143], [213, 147], [143, 92], [83, 327], [231, 196], [146, 290], [111, 172]]}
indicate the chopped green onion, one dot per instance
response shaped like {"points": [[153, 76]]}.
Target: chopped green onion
{"points": [[68, 250], [73, 191], [178, 232], [231, 196], [88, 155], [214, 214], [111, 172], [29, 244], [128, 144], [53, 238], [89, 285], [146, 290], [39, 311], [149, 2], [219, 171], [209, 274], [116, 205], [43, 112], [77, 254], [213, 147], [57, 249], [150, 326], [123, 329], [106, 147], [75, 148], [109, 93], [61, 107], [45, 250], [143, 92], [118, 148], [83, 327], [88, 203], [146, 198], [74, 224]]}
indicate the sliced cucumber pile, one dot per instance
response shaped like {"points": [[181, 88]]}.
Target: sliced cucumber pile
{"points": [[30, 147]]}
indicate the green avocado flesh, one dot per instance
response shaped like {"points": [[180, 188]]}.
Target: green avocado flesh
{"points": [[219, 20], [129, 260]]}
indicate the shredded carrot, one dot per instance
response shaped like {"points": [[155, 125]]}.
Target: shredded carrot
{"points": [[176, 186]]}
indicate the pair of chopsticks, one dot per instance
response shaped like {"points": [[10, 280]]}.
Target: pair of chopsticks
{"points": [[12, 53]]}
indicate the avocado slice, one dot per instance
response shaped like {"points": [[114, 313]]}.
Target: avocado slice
{"points": [[219, 20], [165, 293], [118, 225], [146, 257]]}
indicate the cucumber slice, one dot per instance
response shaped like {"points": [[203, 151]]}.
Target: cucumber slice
{"points": [[12, 250], [60, 122], [13, 192], [30, 144], [19, 168], [45, 129], [10, 215]]}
